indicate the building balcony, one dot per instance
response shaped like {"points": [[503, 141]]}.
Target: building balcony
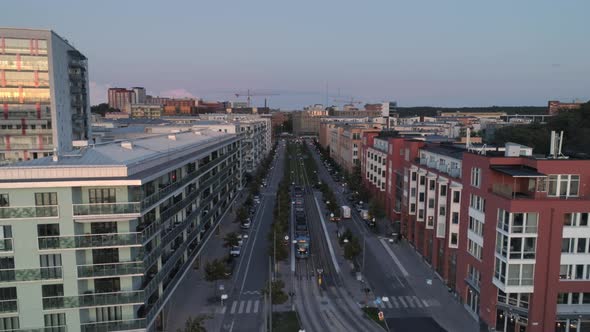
{"points": [[5, 245], [92, 210], [93, 300], [29, 212], [110, 270], [43, 273], [8, 306], [122, 325], [90, 241]]}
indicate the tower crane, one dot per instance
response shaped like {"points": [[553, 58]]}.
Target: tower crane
{"points": [[250, 94], [350, 101]]}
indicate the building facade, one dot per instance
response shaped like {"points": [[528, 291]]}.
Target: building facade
{"points": [[145, 111], [43, 94], [121, 99], [307, 122], [100, 240]]}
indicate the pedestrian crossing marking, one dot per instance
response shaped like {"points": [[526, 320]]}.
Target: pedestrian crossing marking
{"points": [[425, 303], [233, 307], [256, 306], [417, 300], [241, 307], [248, 306], [394, 300], [401, 299]]}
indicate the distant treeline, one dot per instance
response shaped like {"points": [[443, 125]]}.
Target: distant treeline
{"points": [[576, 136], [432, 111]]}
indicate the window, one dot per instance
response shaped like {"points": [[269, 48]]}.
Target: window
{"points": [[421, 197], [107, 285], [42, 199], [50, 266], [475, 176], [412, 192], [563, 185], [456, 196], [105, 256], [431, 203], [443, 190], [442, 210], [476, 226], [500, 270], [477, 202], [97, 196], [4, 202], [48, 230], [431, 185], [522, 247], [454, 239], [474, 249], [414, 176], [455, 218], [520, 274], [422, 180], [108, 227], [52, 290], [53, 322], [413, 208], [576, 219], [9, 323], [107, 314], [420, 214]]}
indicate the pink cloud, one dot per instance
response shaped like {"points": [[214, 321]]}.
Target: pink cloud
{"points": [[177, 93]]}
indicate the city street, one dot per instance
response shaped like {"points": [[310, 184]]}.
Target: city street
{"points": [[409, 290]]}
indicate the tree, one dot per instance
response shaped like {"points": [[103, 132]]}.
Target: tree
{"points": [[102, 109], [231, 240], [376, 209], [352, 249], [194, 324], [278, 295], [242, 213], [215, 270]]}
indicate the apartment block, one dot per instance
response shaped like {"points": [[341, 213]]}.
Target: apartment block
{"points": [[43, 94], [99, 240], [307, 122], [345, 141], [121, 99]]}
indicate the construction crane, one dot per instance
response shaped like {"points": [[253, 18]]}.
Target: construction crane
{"points": [[250, 94], [350, 101]]}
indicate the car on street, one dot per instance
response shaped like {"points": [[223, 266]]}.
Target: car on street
{"points": [[246, 224], [231, 264], [235, 251]]}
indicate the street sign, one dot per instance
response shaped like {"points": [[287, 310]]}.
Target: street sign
{"points": [[381, 316]]}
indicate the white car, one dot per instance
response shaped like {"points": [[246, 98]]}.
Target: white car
{"points": [[245, 224]]}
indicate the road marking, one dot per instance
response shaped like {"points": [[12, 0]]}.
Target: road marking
{"points": [[425, 303], [392, 299], [223, 310], [418, 302], [241, 307], [256, 306], [388, 304], [401, 299], [233, 307], [409, 299], [248, 306], [334, 261], [395, 259], [381, 304]]}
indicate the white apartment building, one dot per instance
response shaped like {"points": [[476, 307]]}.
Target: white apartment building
{"points": [[99, 240]]}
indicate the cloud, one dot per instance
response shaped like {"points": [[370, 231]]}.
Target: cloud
{"points": [[98, 92], [177, 93]]}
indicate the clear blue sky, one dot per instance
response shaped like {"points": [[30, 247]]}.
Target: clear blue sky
{"points": [[441, 53]]}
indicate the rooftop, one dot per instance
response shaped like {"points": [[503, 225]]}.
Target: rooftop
{"points": [[453, 151]]}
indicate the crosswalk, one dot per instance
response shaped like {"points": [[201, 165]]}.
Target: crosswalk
{"points": [[240, 307], [405, 302]]}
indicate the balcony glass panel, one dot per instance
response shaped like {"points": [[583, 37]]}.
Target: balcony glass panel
{"points": [[43, 273], [106, 208], [93, 300], [7, 306], [105, 270], [28, 212], [123, 325], [89, 241], [5, 244]]}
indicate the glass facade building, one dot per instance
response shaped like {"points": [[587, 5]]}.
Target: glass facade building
{"points": [[43, 95]]}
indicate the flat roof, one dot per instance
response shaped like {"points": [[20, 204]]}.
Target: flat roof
{"points": [[519, 171], [452, 151]]}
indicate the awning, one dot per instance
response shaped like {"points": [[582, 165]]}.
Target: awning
{"points": [[519, 171]]}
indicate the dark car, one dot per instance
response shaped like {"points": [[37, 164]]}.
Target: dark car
{"points": [[231, 264]]}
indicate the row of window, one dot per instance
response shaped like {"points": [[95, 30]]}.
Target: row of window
{"points": [[41, 199], [474, 249], [574, 272], [573, 298], [514, 274], [476, 226], [477, 202], [575, 245], [518, 223], [576, 219], [515, 247]]}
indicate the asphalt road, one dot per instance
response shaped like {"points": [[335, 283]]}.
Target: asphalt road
{"points": [[403, 290], [245, 308]]}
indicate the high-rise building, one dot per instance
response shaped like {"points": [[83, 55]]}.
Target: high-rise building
{"points": [[121, 99], [100, 240], [139, 95], [43, 94]]}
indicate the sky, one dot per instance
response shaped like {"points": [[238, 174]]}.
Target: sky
{"points": [[418, 52]]}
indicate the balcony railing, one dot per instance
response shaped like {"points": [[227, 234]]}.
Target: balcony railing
{"points": [[43, 273], [123, 325], [7, 306], [89, 241], [93, 300], [6, 245], [107, 270], [153, 198], [29, 212], [91, 209]]}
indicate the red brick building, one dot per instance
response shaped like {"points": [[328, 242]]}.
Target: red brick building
{"points": [[507, 231]]}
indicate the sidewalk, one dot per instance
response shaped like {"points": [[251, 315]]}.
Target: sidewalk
{"points": [[192, 298]]}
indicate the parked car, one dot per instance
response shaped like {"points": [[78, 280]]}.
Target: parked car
{"points": [[245, 224], [235, 251], [231, 264]]}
